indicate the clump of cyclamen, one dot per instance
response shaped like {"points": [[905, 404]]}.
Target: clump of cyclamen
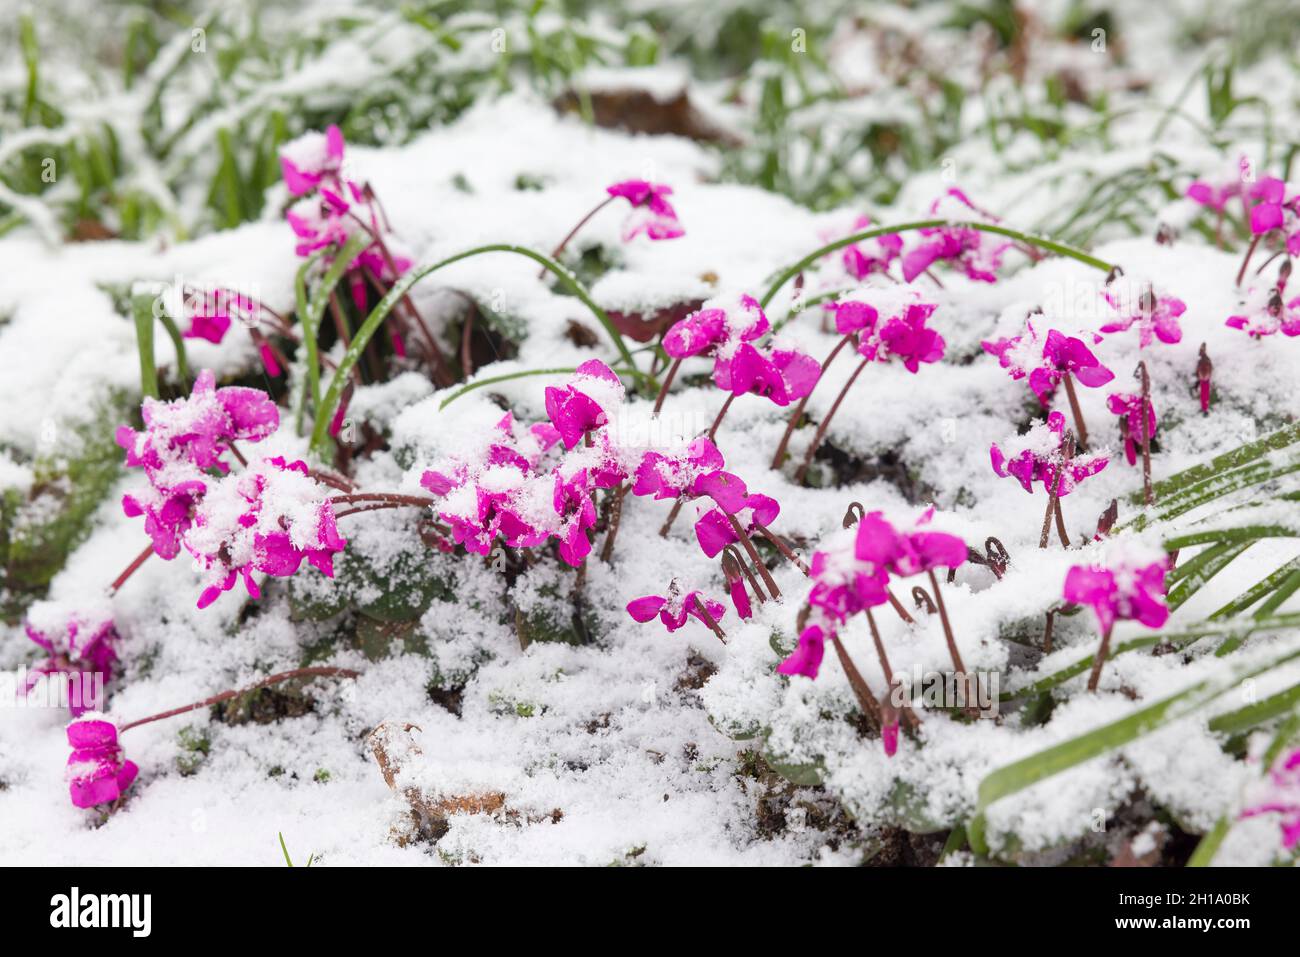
{"points": [[79, 642], [183, 442], [268, 518], [1041, 458]]}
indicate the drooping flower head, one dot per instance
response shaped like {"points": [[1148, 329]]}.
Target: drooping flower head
{"points": [[1274, 209], [1128, 406], [715, 532], [907, 552], [268, 518], [674, 608], [585, 402], [977, 254], [862, 259], [1131, 586], [1041, 457], [672, 473], [97, 771], [1266, 312], [1282, 797], [904, 336], [312, 159], [81, 645], [209, 313], [651, 214], [1156, 315], [1216, 193], [806, 659], [1046, 361]]}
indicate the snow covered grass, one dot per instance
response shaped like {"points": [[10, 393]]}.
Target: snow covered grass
{"points": [[1061, 419]]}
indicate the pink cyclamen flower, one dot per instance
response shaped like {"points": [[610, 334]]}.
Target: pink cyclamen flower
{"points": [[721, 323], [907, 553], [675, 473], [572, 502], [715, 532], [1130, 588], [82, 649], [1129, 407], [1041, 456], [781, 375], [1282, 798], [268, 518], [806, 659], [1215, 196], [1273, 209], [673, 609], [311, 159], [652, 214], [860, 260], [97, 771], [584, 403], [975, 253], [1156, 316], [907, 338], [1046, 361]]}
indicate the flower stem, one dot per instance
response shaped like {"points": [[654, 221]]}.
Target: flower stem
{"points": [[1100, 660], [708, 620], [1054, 496], [315, 672], [1047, 244], [1250, 251], [130, 570], [555, 253], [1148, 494], [713, 430], [615, 516], [947, 626], [663, 391], [898, 607], [783, 548], [750, 550], [1079, 427], [908, 714], [798, 409], [388, 497], [866, 700], [825, 424]]}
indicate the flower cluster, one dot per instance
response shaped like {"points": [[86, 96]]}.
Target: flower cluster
{"points": [[183, 442], [853, 575], [651, 214], [729, 332], [1042, 459], [80, 645], [97, 771], [1047, 360], [332, 208], [268, 518]]}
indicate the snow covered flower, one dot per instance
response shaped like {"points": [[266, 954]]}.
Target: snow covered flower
{"points": [[181, 442], [1156, 316], [862, 259], [311, 159], [1215, 196], [97, 771], [1282, 798], [907, 553], [582, 404], [1265, 313], [651, 214], [1132, 587], [1129, 407], [81, 644], [210, 313], [1273, 209], [720, 322], [268, 518], [676, 473], [1041, 455], [715, 532], [906, 337], [977, 254], [674, 608], [577, 512], [1046, 361]]}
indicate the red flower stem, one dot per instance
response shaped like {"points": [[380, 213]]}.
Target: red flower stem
{"points": [[708, 620], [908, 714], [1047, 631], [429, 346], [783, 548], [825, 424], [898, 607], [1147, 493], [798, 409], [130, 570], [947, 625], [315, 672], [1060, 525], [1100, 659], [1053, 497], [391, 497], [237, 454], [555, 254], [721, 412], [1079, 427], [341, 327], [663, 391], [615, 516], [866, 700], [1250, 251], [333, 481], [672, 516], [466, 340], [752, 552], [748, 573]]}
